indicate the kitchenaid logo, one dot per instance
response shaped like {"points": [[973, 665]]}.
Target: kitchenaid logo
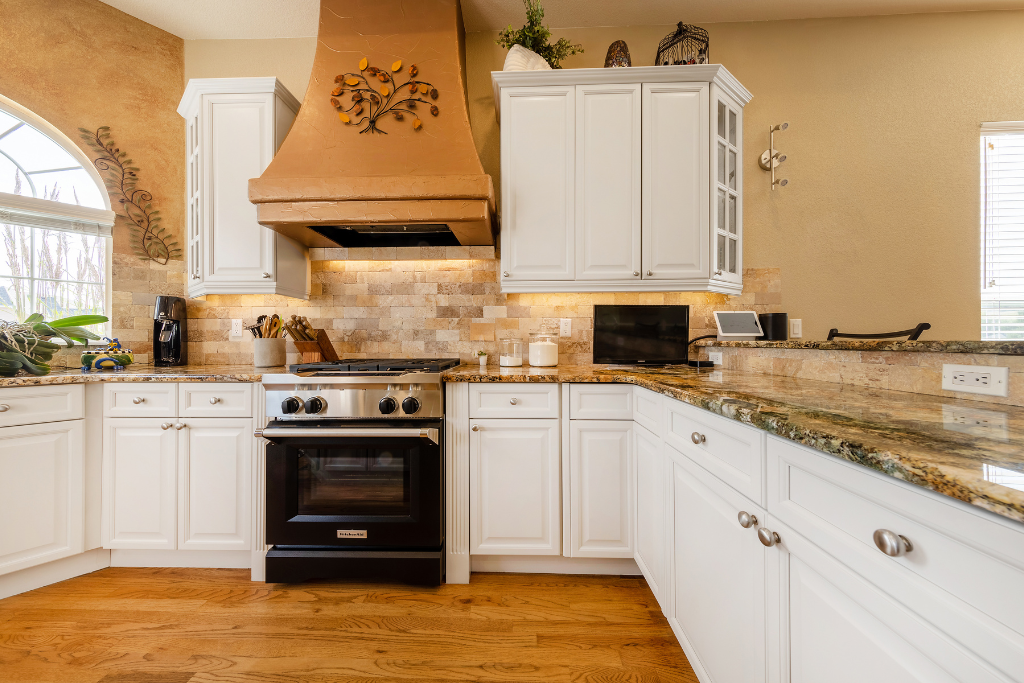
{"points": [[351, 533]]}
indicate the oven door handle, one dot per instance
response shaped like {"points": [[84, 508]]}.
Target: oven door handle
{"points": [[273, 433]]}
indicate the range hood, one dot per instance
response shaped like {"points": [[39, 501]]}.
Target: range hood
{"points": [[331, 184]]}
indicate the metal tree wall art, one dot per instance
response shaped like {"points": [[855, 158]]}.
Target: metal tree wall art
{"points": [[370, 102], [150, 241]]}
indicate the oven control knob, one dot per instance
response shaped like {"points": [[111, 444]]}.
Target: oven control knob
{"points": [[410, 405], [315, 405], [387, 405], [290, 405]]}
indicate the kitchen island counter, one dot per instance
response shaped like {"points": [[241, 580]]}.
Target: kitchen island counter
{"points": [[904, 435]]}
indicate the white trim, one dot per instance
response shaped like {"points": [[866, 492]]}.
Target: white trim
{"points": [[555, 564], [49, 130], [1002, 127], [197, 87], [700, 73], [508, 285], [33, 212], [209, 559], [31, 578]]}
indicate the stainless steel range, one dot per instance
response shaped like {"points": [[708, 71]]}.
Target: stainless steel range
{"points": [[355, 471]]}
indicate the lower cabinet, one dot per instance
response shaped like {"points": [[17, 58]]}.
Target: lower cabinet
{"points": [[601, 488], [718, 577], [171, 484], [41, 494], [514, 497]]}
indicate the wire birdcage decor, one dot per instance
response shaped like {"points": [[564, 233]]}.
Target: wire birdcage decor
{"points": [[686, 45]]}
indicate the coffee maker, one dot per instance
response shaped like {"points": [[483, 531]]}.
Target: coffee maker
{"points": [[170, 332]]}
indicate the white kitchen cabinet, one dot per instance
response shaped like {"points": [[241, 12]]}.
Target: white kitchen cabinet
{"points": [[514, 488], [611, 179], [653, 477], [214, 492], [139, 483], [719, 573], [601, 505], [41, 493], [234, 127], [608, 182], [537, 186], [675, 190]]}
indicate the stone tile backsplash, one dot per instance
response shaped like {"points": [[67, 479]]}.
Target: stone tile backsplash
{"points": [[429, 301]]}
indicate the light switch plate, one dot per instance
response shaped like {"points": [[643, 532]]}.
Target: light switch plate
{"points": [[976, 379], [565, 327], [796, 328]]}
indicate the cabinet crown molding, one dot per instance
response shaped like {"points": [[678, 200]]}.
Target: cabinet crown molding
{"points": [[697, 73], [197, 87]]}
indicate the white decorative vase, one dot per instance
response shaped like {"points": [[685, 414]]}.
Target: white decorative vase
{"points": [[521, 59]]}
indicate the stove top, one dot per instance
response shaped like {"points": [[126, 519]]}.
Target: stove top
{"points": [[371, 366]]}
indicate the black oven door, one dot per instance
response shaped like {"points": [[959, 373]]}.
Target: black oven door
{"points": [[355, 486]]}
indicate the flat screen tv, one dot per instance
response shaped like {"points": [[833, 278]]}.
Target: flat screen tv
{"points": [[648, 335]]}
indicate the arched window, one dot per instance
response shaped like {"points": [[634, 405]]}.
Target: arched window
{"points": [[55, 222]]}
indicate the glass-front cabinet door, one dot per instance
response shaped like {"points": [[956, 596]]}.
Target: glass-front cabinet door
{"points": [[726, 188]]}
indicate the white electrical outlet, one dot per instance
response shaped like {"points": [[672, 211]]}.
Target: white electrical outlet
{"points": [[565, 327], [976, 379], [715, 357], [236, 327], [990, 424], [796, 328]]}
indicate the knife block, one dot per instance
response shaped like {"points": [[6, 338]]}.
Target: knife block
{"points": [[316, 351]]}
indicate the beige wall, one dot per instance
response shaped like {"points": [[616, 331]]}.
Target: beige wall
{"points": [[83, 63], [878, 229], [289, 59]]}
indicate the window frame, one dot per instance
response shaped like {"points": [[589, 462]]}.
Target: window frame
{"points": [[43, 214]]}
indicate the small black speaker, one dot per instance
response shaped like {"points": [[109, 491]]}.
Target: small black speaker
{"points": [[775, 326]]}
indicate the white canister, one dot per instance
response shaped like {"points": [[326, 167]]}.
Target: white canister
{"points": [[268, 353], [543, 349]]}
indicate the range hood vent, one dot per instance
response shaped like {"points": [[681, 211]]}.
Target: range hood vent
{"points": [[331, 184], [416, 235]]}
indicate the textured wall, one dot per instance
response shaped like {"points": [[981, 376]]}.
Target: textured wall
{"points": [[82, 63]]}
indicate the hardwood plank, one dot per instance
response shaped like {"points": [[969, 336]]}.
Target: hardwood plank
{"points": [[215, 626]]}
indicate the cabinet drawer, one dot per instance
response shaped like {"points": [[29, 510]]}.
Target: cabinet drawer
{"points": [[648, 409], [35, 405], [513, 400], [731, 451], [226, 399], [971, 556], [600, 402], [140, 399]]}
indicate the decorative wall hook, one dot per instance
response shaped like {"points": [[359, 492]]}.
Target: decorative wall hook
{"points": [[771, 157]]}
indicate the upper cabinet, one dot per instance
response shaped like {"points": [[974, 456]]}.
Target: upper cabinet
{"points": [[621, 179], [234, 127]]}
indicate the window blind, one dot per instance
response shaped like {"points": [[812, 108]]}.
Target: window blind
{"points": [[1002, 230]]}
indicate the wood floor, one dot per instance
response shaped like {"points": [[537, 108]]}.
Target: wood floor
{"points": [[215, 626]]}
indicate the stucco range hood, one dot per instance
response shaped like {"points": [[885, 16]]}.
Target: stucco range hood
{"points": [[331, 185]]}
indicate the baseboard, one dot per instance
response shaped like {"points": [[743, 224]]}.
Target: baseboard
{"points": [[552, 564], [31, 578], [258, 563], [456, 569], [691, 654], [208, 559]]}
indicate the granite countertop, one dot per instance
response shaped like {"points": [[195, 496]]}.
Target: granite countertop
{"points": [[144, 373], [1005, 348], [897, 433]]}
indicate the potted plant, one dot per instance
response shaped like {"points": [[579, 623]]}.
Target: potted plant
{"points": [[533, 37], [483, 358]]}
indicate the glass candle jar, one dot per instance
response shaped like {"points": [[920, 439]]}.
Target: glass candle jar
{"points": [[510, 353], [543, 349]]}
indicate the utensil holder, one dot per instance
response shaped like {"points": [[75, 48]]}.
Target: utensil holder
{"points": [[316, 351], [268, 353]]}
